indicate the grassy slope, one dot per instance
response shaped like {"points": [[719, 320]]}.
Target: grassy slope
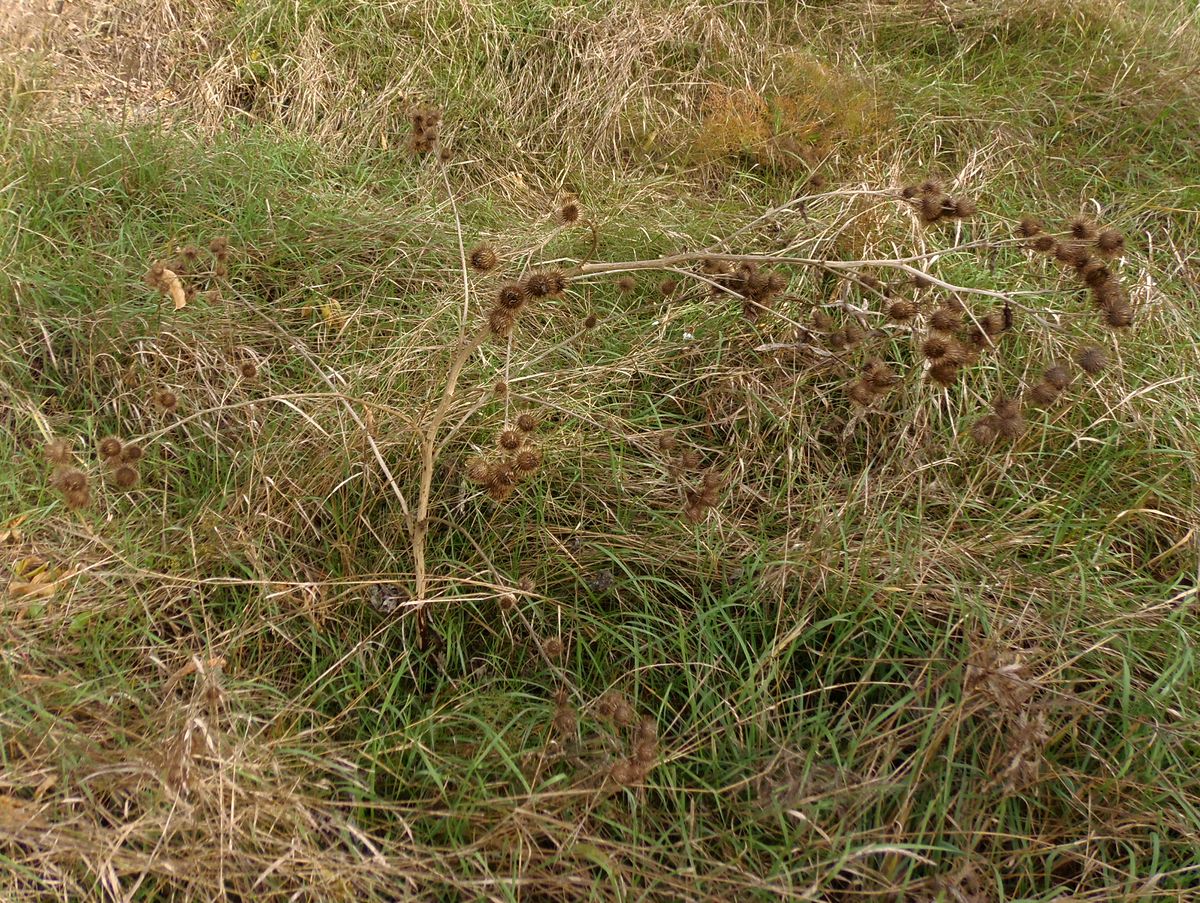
{"points": [[880, 631]]}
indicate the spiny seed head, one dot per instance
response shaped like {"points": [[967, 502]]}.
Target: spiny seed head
{"points": [[553, 647], [853, 334], [479, 472], [861, 393], [901, 310], [126, 476], [1043, 394], [525, 584], [878, 375], [527, 460], [510, 440], [690, 459], [70, 479], [109, 447], [985, 429], [219, 246], [931, 207], [590, 321], [504, 475], [1108, 293], [1082, 228], [935, 347], [908, 192], [1072, 253], [920, 280], [132, 453], [564, 721], [445, 153], [248, 370], [165, 400], [526, 422], [1058, 376], [499, 492], [623, 773], [154, 276], [58, 451], [626, 284], [500, 322], [821, 321], [77, 498], [1006, 408], [667, 287], [500, 389], [944, 319], [558, 282], [569, 212], [1118, 315], [511, 296], [931, 186], [1045, 243], [483, 258], [1110, 242], [869, 281], [221, 270], [712, 480], [1011, 428], [537, 285], [944, 373], [776, 283], [964, 207], [992, 323], [1094, 272], [713, 267], [1092, 360], [1029, 226]]}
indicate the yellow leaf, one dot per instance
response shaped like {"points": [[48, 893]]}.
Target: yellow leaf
{"points": [[175, 289], [331, 312]]}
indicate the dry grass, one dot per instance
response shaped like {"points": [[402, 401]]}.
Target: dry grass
{"points": [[885, 663]]}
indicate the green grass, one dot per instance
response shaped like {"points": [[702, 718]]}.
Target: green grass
{"points": [[890, 662]]}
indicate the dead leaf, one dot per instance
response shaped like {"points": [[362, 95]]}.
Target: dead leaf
{"points": [[175, 289]]}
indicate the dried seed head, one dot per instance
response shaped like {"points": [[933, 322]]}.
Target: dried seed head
{"points": [[993, 323], [58, 451], [248, 370], [1094, 272], [590, 321], [1071, 253], [525, 584], [861, 393], [985, 429], [527, 461], [219, 246], [500, 389], [964, 207], [1092, 360], [537, 285], [908, 192], [483, 258], [667, 287], [920, 280], [1043, 394], [690, 459], [132, 453], [879, 376], [1011, 428], [500, 322], [126, 476], [945, 319], [931, 207], [626, 284], [569, 212], [70, 479], [553, 647], [504, 475], [931, 186], [165, 400], [1058, 376], [944, 373], [557, 280], [499, 492], [1082, 228], [935, 347], [506, 601], [1045, 243], [1118, 314], [902, 310], [1006, 408], [511, 297], [511, 440], [821, 321], [713, 267], [564, 721], [1029, 226], [109, 447], [77, 498], [869, 281], [623, 773], [479, 472], [526, 422], [1110, 242], [852, 333]]}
